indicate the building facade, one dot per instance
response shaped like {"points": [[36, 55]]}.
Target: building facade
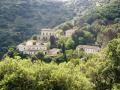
{"points": [[53, 52], [31, 47], [45, 35], [39, 44], [88, 49]]}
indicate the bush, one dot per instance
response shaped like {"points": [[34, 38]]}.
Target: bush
{"points": [[24, 75]]}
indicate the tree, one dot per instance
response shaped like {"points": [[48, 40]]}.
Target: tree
{"points": [[34, 37], [12, 52], [40, 55], [69, 44], [52, 42], [114, 52], [82, 37], [64, 51], [110, 74]]}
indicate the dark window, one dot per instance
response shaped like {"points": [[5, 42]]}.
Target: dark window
{"points": [[57, 52], [45, 52]]}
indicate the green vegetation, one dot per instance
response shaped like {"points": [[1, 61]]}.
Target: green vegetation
{"points": [[20, 19], [96, 26], [68, 70], [99, 72], [24, 75]]}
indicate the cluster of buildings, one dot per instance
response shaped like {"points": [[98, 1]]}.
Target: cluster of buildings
{"points": [[40, 43]]}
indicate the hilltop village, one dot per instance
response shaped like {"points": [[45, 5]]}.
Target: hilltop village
{"points": [[41, 42]]}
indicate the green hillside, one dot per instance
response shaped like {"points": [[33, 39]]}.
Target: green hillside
{"points": [[96, 26], [20, 19], [71, 69]]}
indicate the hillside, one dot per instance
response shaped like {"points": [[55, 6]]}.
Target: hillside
{"points": [[82, 54], [20, 19], [80, 6], [97, 25]]}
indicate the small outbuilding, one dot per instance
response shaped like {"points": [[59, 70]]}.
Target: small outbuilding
{"points": [[88, 48], [53, 52]]}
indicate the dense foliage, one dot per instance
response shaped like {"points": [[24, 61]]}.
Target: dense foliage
{"points": [[20, 19], [98, 72], [69, 70], [97, 26], [24, 75]]}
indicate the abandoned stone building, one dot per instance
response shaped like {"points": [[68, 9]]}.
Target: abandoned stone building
{"points": [[41, 43], [31, 47], [53, 52], [88, 49], [45, 35]]}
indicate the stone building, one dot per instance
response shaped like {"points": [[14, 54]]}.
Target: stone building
{"points": [[53, 52], [31, 47], [34, 49], [88, 49], [45, 35], [39, 43]]}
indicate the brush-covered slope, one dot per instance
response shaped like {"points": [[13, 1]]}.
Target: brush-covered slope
{"points": [[19, 19]]}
